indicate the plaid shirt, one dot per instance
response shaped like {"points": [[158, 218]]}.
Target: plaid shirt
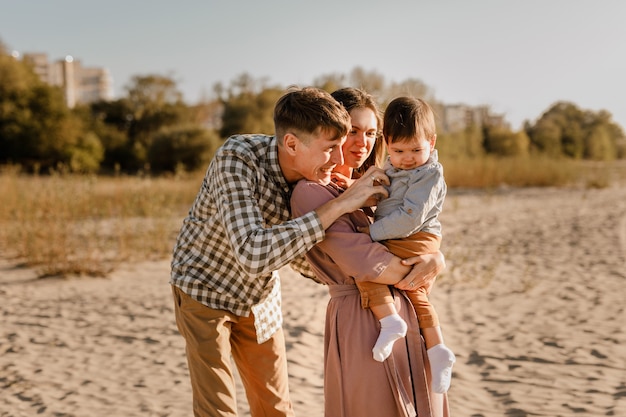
{"points": [[238, 233]]}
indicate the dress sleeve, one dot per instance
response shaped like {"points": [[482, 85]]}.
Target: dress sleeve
{"points": [[353, 252]]}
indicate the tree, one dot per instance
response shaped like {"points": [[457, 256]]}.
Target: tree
{"points": [[466, 142], [110, 120], [248, 107], [371, 81], [186, 147], [37, 129], [330, 82], [564, 129], [503, 142], [598, 144], [545, 136], [250, 113], [86, 155], [128, 126], [410, 87], [154, 103]]}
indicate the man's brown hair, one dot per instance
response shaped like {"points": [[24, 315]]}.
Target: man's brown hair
{"points": [[310, 110]]}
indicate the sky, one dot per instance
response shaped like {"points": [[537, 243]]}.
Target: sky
{"points": [[518, 57]]}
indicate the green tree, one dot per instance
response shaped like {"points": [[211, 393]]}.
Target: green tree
{"points": [[466, 142], [110, 120], [182, 147], [128, 126], [86, 154], [564, 129], [154, 103], [503, 142], [371, 81], [37, 129], [330, 82], [598, 145], [410, 87], [248, 107], [17, 82]]}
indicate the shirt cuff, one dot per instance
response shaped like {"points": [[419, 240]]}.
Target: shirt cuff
{"points": [[311, 228]]}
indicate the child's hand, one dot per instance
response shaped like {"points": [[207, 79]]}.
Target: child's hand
{"points": [[363, 229], [341, 180]]}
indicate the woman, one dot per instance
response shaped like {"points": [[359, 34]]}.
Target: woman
{"points": [[354, 383], [363, 147]]}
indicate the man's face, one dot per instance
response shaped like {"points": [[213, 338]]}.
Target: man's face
{"points": [[318, 154]]}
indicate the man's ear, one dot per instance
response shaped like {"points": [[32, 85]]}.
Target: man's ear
{"points": [[291, 142]]}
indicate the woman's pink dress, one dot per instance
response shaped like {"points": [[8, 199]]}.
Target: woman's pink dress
{"points": [[355, 385]]}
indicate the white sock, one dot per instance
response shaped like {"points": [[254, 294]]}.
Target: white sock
{"points": [[392, 328], [441, 360]]}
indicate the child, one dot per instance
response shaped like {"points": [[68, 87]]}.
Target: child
{"points": [[407, 224]]}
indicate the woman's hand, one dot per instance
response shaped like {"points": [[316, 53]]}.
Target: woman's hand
{"points": [[363, 229], [424, 272]]}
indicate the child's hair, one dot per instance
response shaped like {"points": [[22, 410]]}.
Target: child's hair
{"points": [[408, 118], [354, 98], [310, 110]]}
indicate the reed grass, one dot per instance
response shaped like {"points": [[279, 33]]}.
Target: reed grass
{"points": [[531, 171], [86, 225], [488, 172]]}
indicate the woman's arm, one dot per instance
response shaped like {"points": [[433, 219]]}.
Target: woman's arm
{"points": [[351, 252], [395, 272], [355, 253], [421, 270]]}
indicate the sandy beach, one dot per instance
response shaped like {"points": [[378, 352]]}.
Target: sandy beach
{"points": [[532, 302]]}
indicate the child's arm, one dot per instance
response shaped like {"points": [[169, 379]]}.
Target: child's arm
{"points": [[422, 203]]}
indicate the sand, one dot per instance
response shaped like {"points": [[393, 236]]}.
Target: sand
{"points": [[532, 302]]}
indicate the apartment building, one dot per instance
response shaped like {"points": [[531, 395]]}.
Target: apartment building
{"points": [[457, 117], [80, 85]]}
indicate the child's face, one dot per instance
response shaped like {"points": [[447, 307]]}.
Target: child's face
{"points": [[410, 154]]}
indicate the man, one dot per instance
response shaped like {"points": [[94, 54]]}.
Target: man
{"points": [[238, 233]]}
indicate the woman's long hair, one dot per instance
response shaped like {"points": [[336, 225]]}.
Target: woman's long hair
{"points": [[354, 98]]}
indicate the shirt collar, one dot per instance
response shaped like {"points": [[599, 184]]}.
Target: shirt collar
{"points": [[274, 166]]}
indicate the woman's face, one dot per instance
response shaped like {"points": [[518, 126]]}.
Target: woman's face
{"points": [[361, 137]]}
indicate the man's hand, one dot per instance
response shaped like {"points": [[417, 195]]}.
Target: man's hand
{"points": [[366, 190], [356, 196]]}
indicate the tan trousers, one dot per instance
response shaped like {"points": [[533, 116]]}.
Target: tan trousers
{"points": [[373, 294], [212, 336]]}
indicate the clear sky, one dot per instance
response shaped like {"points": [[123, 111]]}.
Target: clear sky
{"points": [[519, 57]]}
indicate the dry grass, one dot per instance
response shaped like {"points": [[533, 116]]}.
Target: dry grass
{"points": [[66, 225], [85, 225], [489, 172], [517, 172]]}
